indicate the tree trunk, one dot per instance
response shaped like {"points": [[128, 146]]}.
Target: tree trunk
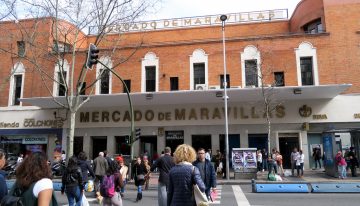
{"points": [[70, 142]]}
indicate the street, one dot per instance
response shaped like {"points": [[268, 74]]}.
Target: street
{"points": [[232, 195]]}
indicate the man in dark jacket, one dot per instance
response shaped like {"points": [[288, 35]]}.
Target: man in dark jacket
{"points": [[164, 164], [353, 161], [207, 172]]}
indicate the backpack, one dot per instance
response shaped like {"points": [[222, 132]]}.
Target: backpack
{"points": [[107, 187], [16, 196]]}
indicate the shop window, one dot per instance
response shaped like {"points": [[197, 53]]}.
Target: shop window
{"points": [[306, 71], [199, 74], [21, 48], [150, 73], [251, 73], [314, 27], [222, 81], [279, 79], [174, 83], [128, 85]]}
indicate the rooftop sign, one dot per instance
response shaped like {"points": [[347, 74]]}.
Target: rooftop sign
{"points": [[209, 20]]}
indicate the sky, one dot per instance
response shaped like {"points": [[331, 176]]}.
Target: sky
{"points": [[188, 8]]}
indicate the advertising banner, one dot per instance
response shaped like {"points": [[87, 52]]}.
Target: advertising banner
{"points": [[244, 159]]}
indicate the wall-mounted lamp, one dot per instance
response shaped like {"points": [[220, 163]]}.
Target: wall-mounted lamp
{"points": [[297, 91], [149, 96]]}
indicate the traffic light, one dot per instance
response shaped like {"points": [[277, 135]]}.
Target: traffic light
{"points": [[92, 56], [137, 133]]}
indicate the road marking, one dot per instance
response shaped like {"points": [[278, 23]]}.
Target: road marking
{"points": [[218, 197], [240, 196]]}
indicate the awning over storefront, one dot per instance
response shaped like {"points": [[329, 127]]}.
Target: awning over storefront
{"points": [[199, 96]]}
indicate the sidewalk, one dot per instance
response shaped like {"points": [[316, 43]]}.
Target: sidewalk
{"points": [[310, 176]]}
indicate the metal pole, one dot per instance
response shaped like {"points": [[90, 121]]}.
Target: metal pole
{"points": [[223, 19]]}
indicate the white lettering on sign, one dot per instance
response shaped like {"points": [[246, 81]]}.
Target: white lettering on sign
{"points": [[243, 17]]}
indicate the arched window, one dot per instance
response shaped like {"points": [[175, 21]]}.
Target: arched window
{"points": [[306, 64], [61, 77], [198, 70], [250, 61], [16, 84], [104, 83], [149, 73]]}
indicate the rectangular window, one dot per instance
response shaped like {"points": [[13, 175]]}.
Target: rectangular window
{"points": [[17, 89], [61, 80], [150, 73], [83, 88], [199, 74], [279, 79], [21, 48], [222, 81], [104, 81], [128, 84], [174, 83], [307, 76], [251, 73]]}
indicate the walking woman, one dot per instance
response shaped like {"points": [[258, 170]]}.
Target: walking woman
{"points": [[85, 167], [138, 174], [182, 177], [147, 176], [113, 176], [3, 187], [124, 174], [72, 182], [34, 177]]}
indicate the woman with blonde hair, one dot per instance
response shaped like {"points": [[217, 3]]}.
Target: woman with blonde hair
{"points": [[183, 176]]}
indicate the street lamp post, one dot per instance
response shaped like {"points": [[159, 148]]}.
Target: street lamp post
{"points": [[223, 19]]}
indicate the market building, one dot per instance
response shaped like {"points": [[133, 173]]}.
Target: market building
{"points": [[308, 65]]}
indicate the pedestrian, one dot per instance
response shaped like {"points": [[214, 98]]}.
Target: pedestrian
{"points": [[112, 182], [107, 157], [100, 168], [259, 160], [279, 162], [163, 164], [317, 156], [147, 176], [300, 164], [19, 159], [208, 155], [272, 166], [72, 182], [3, 187], [138, 174], [63, 156], [353, 161], [124, 173], [265, 156], [182, 177], [341, 164], [223, 162], [217, 160], [33, 176], [293, 158], [85, 167], [207, 172]]}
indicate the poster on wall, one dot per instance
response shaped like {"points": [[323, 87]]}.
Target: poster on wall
{"points": [[244, 159]]}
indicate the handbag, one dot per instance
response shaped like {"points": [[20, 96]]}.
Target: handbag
{"points": [[140, 177], [200, 197]]}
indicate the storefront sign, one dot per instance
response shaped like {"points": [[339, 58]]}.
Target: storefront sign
{"points": [[319, 116], [34, 140], [357, 116], [243, 17], [170, 135], [9, 124], [43, 123], [305, 111], [5, 140], [216, 113]]}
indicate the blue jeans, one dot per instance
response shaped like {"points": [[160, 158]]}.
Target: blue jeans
{"points": [[162, 194], [122, 189], [73, 193], [342, 171]]}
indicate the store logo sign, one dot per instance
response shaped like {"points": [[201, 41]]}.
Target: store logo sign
{"points": [[34, 140], [305, 111]]}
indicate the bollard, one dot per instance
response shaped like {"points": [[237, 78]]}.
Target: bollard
{"points": [[253, 185], [282, 188], [335, 188]]}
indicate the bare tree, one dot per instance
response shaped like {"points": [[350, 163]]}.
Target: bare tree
{"points": [[68, 43]]}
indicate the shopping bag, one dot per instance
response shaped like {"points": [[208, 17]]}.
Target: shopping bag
{"points": [[84, 201], [200, 198], [213, 195], [89, 186]]}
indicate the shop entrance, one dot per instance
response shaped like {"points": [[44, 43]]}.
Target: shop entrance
{"points": [[201, 141], [287, 142], [148, 144], [258, 141], [99, 144], [174, 139], [234, 142], [78, 145], [122, 145]]}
